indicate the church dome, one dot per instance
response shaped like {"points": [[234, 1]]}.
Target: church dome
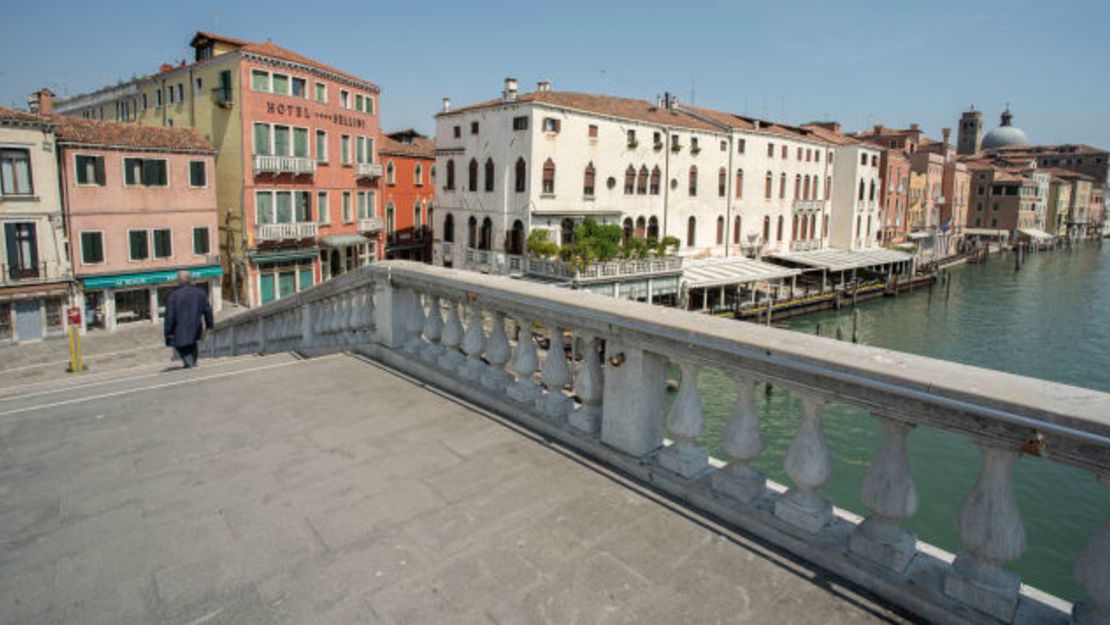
{"points": [[1006, 135]]}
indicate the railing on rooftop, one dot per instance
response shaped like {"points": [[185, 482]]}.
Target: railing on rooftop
{"points": [[473, 336]]}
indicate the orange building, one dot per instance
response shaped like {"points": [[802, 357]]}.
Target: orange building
{"points": [[409, 159]]}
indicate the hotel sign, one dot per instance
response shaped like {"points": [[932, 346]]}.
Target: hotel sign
{"points": [[302, 112]]}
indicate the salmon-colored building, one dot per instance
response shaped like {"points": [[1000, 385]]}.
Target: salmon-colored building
{"points": [[409, 159], [139, 205]]}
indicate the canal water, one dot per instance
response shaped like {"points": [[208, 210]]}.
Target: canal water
{"points": [[1049, 320]]}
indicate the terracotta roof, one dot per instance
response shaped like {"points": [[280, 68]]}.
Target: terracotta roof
{"points": [[1061, 149], [203, 34], [22, 117], [94, 132], [833, 137], [740, 122], [421, 147], [273, 50], [612, 106], [1067, 174]]}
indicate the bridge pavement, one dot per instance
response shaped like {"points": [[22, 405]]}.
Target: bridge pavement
{"points": [[276, 490]]}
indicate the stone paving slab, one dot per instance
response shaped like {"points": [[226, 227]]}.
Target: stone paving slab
{"points": [[331, 491]]}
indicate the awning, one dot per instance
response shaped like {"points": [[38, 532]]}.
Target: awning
{"points": [[29, 291], [986, 232], [698, 274], [343, 240], [147, 277], [1035, 233], [283, 256], [842, 260]]}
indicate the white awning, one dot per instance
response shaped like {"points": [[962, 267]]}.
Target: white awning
{"points": [[717, 272], [1035, 233], [919, 235], [842, 260], [986, 232]]}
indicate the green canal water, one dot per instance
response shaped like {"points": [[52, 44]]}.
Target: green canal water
{"points": [[1049, 320]]}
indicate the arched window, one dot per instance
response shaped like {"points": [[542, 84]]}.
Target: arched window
{"points": [[862, 189], [804, 234], [872, 193], [653, 228], [450, 175], [389, 219], [641, 226], [588, 180], [567, 227], [691, 231], [430, 218], [472, 232], [516, 238], [485, 236], [767, 228], [778, 233], [390, 173], [813, 225], [816, 187], [417, 216], [805, 188], [859, 224], [825, 224], [449, 228], [472, 179], [739, 183], [767, 184], [520, 176], [828, 187], [642, 181], [794, 228], [549, 176], [489, 175], [721, 228], [629, 180], [782, 185], [628, 228], [418, 175], [797, 186], [736, 230], [655, 175], [693, 180], [722, 181]]}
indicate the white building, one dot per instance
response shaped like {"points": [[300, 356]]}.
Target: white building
{"points": [[855, 189], [720, 183]]}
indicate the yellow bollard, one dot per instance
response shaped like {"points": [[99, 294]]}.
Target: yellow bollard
{"points": [[76, 362]]}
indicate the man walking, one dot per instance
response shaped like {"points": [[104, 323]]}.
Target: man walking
{"points": [[186, 308]]}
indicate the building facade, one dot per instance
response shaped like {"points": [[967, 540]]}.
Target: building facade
{"points": [[35, 273], [296, 168], [855, 188], [140, 205], [408, 194]]}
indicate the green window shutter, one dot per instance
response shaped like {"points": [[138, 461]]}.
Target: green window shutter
{"points": [[200, 241], [132, 170], [305, 278], [287, 283], [99, 169], [266, 287], [262, 139], [138, 243], [264, 208], [281, 84], [281, 140], [284, 207], [260, 80], [300, 142], [197, 174]]}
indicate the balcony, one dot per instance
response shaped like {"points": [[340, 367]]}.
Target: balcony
{"points": [[805, 246], [223, 96], [809, 205], [368, 170], [296, 165], [285, 232], [369, 224]]}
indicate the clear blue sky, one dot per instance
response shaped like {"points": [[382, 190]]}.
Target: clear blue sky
{"points": [[859, 62]]}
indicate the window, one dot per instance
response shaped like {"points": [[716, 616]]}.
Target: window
{"points": [[473, 128], [767, 184], [741, 145], [417, 216], [722, 181], [736, 229], [450, 186], [472, 176], [321, 146], [262, 139], [520, 123], [180, 92], [260, 80], [139, 244], [778, 234], [418, 175], [691, 231], [302, 205], [770, 150], [15, 172], [550, 124], [89, 169], [458, 132], [163, 243], [656, 174], [797, 186], [630, 180], [720, 230], [489, 175], [323, 214], [158, 98], [799, 154], [358, 102], [390, 174], [361, 207], [198, 174], [782, 185], [148, 172], [724, 146], [321, 92], [694, 149], [739, 183], [92, 248], [345, 149], [785, 154], [588, 181], [201, 242], [642, 181], [344, 99], [23, 252], [693, 180], [347, 207], [360, 149], [170, 95], [281, 140], [592, 132], [862, 159], [144, 100], [862, 190], [520, 176], [549, 177]]}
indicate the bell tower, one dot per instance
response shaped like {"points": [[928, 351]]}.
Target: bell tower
{"points": [[970, 135]]}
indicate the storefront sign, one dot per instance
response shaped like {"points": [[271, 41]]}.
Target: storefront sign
{"points": [[151, 277]]}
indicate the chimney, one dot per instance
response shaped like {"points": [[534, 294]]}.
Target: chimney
{"points": [[914, 127], [446, 105], [878, 129], [947, 134], [833, 126], [41, 101], [543, 86], [509, 94], [165, 67]]}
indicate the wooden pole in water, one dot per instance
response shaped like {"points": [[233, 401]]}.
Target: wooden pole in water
{"points": [[947, 291], [818, 329], [839, 333], [855, 326]]}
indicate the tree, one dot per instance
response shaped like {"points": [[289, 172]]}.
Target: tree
{"points": [[539, 245], [599, 243]]}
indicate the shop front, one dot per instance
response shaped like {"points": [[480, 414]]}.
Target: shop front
{"points": [[111, 300], [275, 275], [33, 312], [340, 253]]}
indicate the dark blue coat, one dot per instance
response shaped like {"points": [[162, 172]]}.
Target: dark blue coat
{"points": [[186, 307]]}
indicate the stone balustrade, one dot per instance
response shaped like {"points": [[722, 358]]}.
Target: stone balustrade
{"points": [[599, 387]]}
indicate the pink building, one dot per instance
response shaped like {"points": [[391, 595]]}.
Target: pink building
{"points": [[140, 205]]}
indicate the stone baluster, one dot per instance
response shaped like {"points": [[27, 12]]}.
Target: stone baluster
{"points": [[685, 421], [319, 313], [433, 331], [331, 320], [743, 444], [474, 341], [452, 358], [1092, 571], [889, 493], [555, 404], [346, 317], [498, 352], [364, 315], [525, 361], [414, 323], [809, 465], [990, 528], [588, 385]]}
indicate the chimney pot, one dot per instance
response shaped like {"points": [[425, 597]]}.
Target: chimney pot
{"points": [[510, 89], [914, 127], [878, 129], [41, 101], [446, 105], [543, 86]]}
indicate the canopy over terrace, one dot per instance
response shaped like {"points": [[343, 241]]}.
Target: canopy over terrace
{"points": [[720, 273], [843, 261], [1036, 233]]}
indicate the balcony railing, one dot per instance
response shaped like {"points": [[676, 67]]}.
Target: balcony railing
{"points": [[297, 165], [448, 248], [805, 246], [369, 224], [809, 205], [23, 275], [368, 170], [473, 337], [285, 232], [223, 96]]}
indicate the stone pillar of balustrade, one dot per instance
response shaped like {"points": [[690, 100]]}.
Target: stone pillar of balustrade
{"points": [[391, 314], [635, 386], [808, 465], [525, 360], [452, 358], [494, 377], [414, 323], [1092, 571], [889, 493], [474, 341], [365, 329], [743, 443], [588, 385], [554, 404], [686, 422], [433, 331], [990, 529]]}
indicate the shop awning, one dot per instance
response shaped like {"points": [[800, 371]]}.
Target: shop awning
{"points": [[283, 256], [986, 232], [710, 273], [1035, 233], [147, 277], [843, 260], [343, 240]]}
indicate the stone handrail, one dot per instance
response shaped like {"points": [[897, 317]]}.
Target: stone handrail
{"points": [[455, 330]]}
